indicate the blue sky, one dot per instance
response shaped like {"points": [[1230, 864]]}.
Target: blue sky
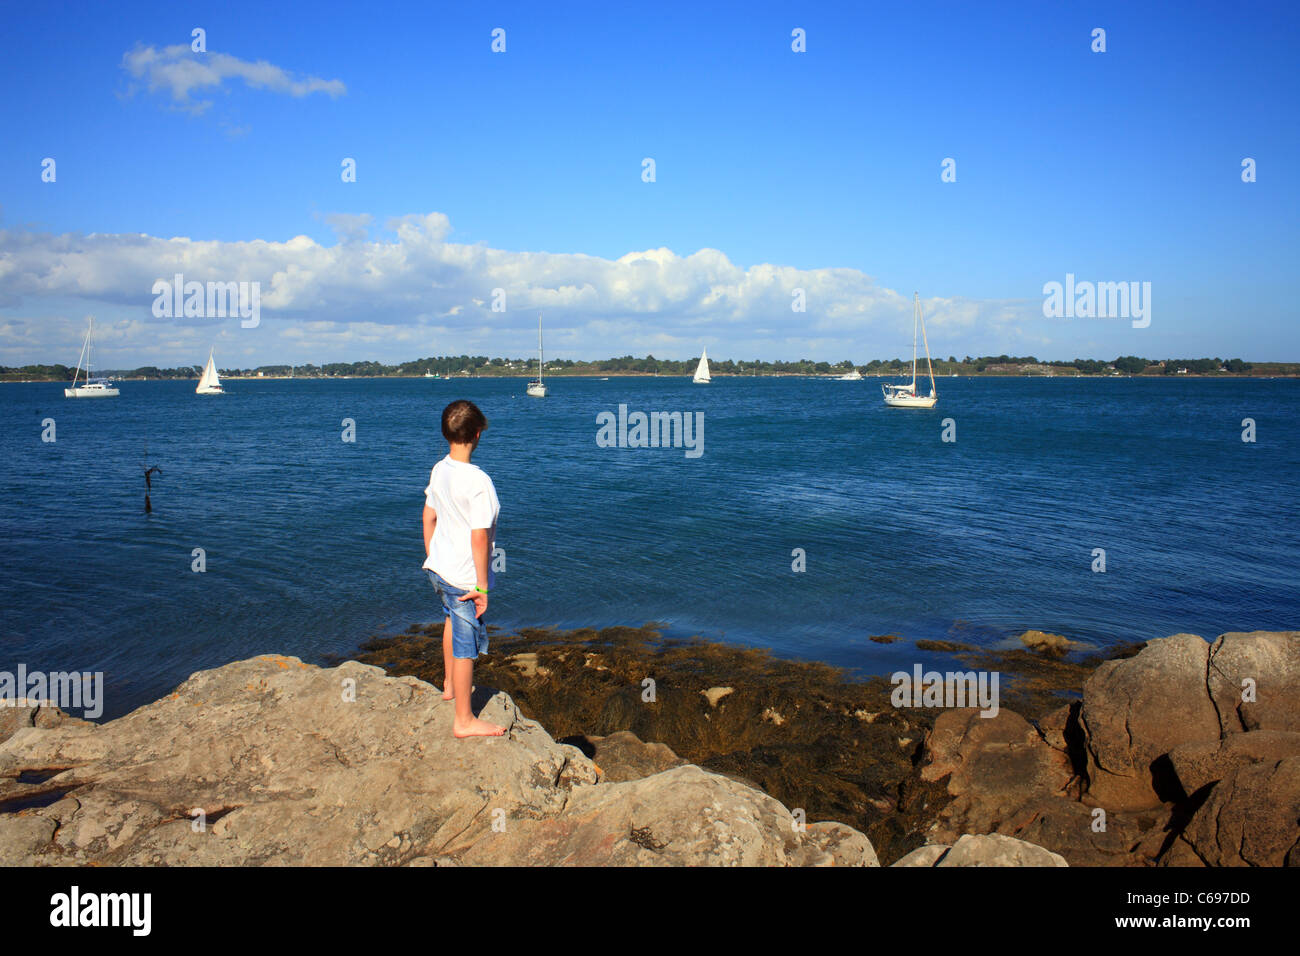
{"points": [[522, 170]]}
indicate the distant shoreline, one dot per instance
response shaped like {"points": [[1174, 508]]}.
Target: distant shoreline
{"points": [[716, 375]]}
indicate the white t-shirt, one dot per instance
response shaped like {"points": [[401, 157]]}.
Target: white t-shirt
{"points": [[464, 498]]}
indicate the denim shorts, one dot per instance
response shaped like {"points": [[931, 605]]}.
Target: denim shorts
{"points": [[468, 633]]}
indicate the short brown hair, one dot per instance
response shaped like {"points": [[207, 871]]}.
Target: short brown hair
{"points": [[462, 421]]}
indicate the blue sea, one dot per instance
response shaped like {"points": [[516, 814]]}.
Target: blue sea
{"points": [[313, 544]]}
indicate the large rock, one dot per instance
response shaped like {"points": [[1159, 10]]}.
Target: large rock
{"points": [[1205, 762], [22, 713], [927, 855], [1251, 818], [839, 845], [1138, 709], [990, 849], [683, 816], [999, 771], [273, 761], [1159, 739], [1007, 779], [1270, 661], [623, 756]]}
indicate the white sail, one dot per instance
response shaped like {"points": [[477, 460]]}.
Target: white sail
{"points": [[537, 389], [209, 382], [702, 375]]}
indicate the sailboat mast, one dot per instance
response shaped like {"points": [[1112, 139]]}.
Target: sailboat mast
{"points": [[929, 366], [85, 343], [916, 314], [540, 364]]}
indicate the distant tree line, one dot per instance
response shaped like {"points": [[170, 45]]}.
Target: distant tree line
{"points": [[58, 373], [465, 365]]}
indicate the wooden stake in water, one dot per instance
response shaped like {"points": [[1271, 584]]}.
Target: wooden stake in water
{"points": [[148, 486]]}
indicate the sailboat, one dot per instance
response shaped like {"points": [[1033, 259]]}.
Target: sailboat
{"points": [[90, 387], [905, 396], [537, 389], [702, 376], [210, 382]]}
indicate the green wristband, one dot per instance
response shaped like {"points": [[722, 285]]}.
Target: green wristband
{"points": [[480, 590]]}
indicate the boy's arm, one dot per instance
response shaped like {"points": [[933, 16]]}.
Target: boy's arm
{"points": [[430, 521], [478, 543], [478, 546]]}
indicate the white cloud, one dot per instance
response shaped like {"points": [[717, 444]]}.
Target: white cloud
{"points": [[411, 292], [181, 72]]}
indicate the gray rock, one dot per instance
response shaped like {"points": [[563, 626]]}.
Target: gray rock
{"points": [[840, 845], [23, 713], [14, 716], [927, 855], [270, 760], [990, 849], [22, 835], [681, 816], [995, 849]]}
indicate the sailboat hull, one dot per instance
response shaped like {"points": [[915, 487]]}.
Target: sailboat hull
{"points": [[90, 393], [536, 389], [910, 401], [210, 390]]}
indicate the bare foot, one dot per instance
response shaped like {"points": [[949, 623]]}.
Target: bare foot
{"points": [[476, 728], [448, 694]]}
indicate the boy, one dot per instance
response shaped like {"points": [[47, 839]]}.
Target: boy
{"points": [[460, 523]]}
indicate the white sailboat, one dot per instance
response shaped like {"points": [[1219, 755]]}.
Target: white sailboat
{"points": [[210, 382], [537, 389], [905, 396], [90, 387], [702, 376]]}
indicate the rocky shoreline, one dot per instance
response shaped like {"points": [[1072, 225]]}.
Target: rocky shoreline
{"points": [[1183, 753], [1130, 758]]}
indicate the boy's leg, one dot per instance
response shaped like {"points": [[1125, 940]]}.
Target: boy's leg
{"points": [[448, 662], [466, 724]]}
